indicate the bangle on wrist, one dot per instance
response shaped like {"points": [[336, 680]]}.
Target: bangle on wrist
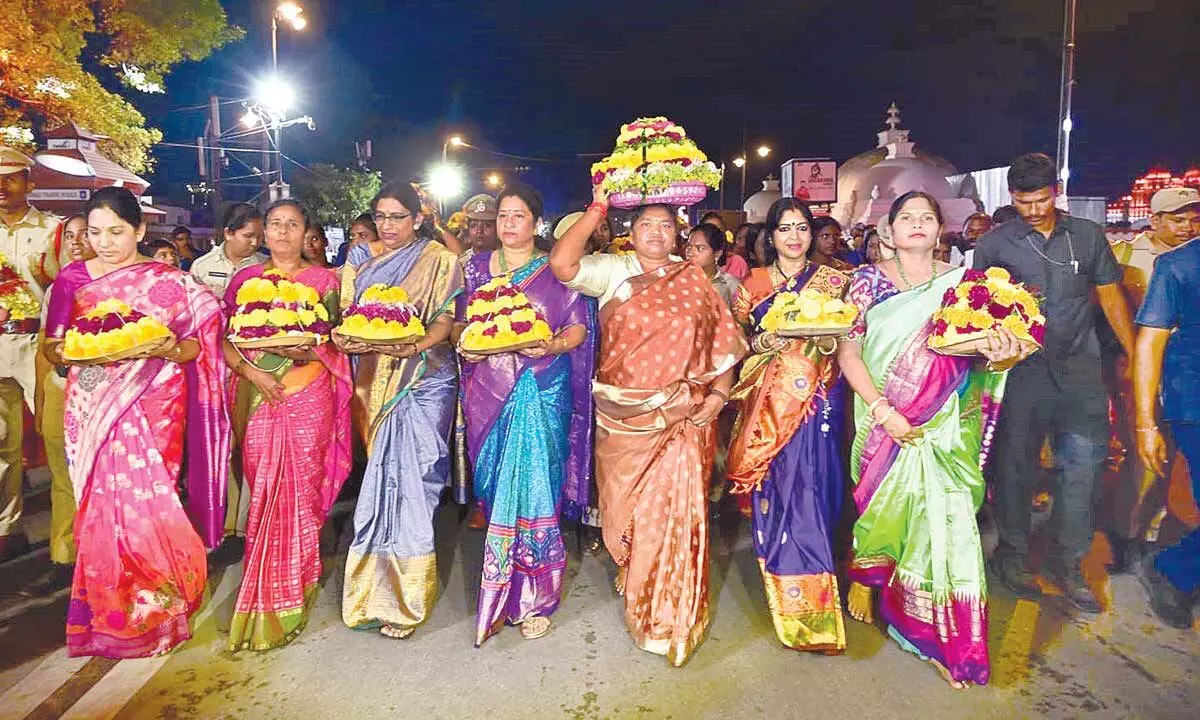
{"points": [[875, 404], [723, 395], [886, 416], [1152, 428], [600, 208]]}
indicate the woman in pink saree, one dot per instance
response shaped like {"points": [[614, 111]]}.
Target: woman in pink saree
{"points": [[141, 565], [291, 412]]}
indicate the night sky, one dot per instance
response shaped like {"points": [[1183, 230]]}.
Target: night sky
{"points": [[977, 81]]}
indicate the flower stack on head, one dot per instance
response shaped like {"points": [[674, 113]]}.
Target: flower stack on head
{"points": [[655, 162], [981, 304], [382, 316], [273, 311], [16, 300], [501, 319], [112, 330]]}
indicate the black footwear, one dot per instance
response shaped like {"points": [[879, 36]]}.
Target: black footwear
{"points": [[1016, 577], [12, 546], [1171, 605], [57, 578], [591, 540], [1126, 552], [231, 549], [1077, 592]]}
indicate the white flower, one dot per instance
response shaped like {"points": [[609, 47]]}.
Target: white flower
{"points": [[136, 79], [54, 86]]}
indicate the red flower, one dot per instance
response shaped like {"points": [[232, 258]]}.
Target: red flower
{"points": [[491, 331], [521, 328], [949, 297], [1038, 331], [974, 276], [940, 327], [979, 297], [969, 328], [598, 178], [999, 311]]}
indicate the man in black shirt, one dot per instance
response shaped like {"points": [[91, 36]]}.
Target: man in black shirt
{"points": [[1058, 391]]}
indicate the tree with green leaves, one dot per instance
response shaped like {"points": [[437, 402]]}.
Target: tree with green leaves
{"points": [[59, 60], [335, 196]]}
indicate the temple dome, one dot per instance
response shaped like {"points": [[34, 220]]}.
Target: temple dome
{"points": [[757, 205], [870, 181]]}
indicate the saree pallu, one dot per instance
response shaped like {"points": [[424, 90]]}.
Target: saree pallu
{"points": [[406, 410], [141, 567], [786, 452], [667, 336], [296, 455], [529, 432], [916, 537]]}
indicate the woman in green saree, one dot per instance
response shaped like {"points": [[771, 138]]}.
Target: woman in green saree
{"points": [[923, 427]]}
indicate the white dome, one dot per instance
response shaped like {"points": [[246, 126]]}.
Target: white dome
{"points": [[870, 181], [759, 203]]}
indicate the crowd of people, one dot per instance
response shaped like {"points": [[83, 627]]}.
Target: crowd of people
{"points": [[202, 448]]}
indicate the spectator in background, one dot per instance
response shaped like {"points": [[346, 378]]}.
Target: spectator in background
{"points": [[163, 251], [181, 237], [363, 243], [946, 245], [712, 217], [827, 239], [974, 227], [707, 249], [1004, 214], [239, 238], [316, 246]]}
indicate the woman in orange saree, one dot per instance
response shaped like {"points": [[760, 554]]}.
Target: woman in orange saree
{"points": [[668, 347], [140, 570], [786, 452]]}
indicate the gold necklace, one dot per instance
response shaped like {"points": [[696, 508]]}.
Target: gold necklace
{"points": [[927, 283]]}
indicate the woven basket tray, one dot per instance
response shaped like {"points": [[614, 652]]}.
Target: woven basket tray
{"points": [[677, 194], [138, 351], [507, 349], [412, 340], [813, 332], [291, 341]]}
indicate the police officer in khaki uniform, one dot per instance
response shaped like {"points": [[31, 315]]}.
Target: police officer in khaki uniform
{"points": [[27, 244]]}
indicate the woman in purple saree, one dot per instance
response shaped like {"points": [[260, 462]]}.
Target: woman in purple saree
{"points": [[529, 429], [141, 567]]}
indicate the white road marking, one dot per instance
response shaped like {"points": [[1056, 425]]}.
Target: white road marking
{"points": [[33, 689]]}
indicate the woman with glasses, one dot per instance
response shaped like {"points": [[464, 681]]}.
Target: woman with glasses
{"points": [[404, 403], [787, 452]]}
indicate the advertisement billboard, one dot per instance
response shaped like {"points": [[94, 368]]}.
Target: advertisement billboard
{"points": [[813, 180]]}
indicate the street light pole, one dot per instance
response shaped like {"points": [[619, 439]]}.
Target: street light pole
{"points": [[1067, 85]]}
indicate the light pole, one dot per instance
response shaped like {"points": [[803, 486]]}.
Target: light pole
{"points": [[291, 13], [453, 140], [1067, 85], [740, 162]]}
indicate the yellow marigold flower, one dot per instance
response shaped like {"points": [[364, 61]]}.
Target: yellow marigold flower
{"points": [[998, 273]]}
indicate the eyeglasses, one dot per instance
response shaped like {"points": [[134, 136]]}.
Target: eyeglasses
{"points": [[381, 218]]}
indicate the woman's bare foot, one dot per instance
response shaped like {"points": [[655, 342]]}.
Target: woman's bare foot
{"points": [[941, 669], [396, 632], [859, 603], [535, 627], [619, 584]]}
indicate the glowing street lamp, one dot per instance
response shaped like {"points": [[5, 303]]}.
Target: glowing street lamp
{"points": [[739, 162], [452, 141], [275, 94], [291, 13], [446, 182], [763, 151], [494, 180]]}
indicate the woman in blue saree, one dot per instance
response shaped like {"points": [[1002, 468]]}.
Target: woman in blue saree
{"points": [[403, 405], [529, 428]]}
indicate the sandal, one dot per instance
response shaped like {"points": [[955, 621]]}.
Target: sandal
{"points": [[396, 632], [535, 627]]}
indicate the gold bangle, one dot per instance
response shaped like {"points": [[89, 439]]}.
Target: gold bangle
{"points": [[1152, 428], [723, 395]]}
